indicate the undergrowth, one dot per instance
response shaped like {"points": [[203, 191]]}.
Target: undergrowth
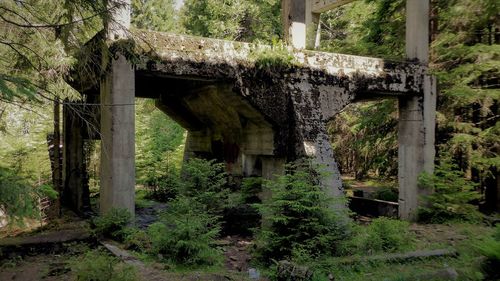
{"points": [[275, 58], [382, 235], [299, 220], [112, 224], [451, 197], [98, 266], [184, 236]]}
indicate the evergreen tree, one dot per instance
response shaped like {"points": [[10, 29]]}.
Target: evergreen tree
{"points": [[239, 20], [465, 58], [158, 15]]}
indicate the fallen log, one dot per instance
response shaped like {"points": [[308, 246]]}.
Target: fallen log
{"points": [[48, 242], [60, 236], [124, 255], [400, 257]]}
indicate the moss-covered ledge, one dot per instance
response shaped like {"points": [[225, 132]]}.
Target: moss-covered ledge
{"points": [[220, 59]]}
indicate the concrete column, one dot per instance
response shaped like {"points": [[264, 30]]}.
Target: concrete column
{"points": [[416, 115], [75, 194], [321, 151], [272, 167], [118, 120], [250, 167], [313, 27], [300, 23]]}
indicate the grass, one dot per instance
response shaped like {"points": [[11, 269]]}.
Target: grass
{"points": [[141, 200], [462, 237]]}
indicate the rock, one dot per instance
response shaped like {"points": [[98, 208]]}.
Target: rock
{"points": [[254, 274], [288, 271]]}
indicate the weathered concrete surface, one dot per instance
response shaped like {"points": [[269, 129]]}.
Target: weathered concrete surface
{"points": [[75, 191], [417, 116], [237, 110], [118, 139], [117, 91]]}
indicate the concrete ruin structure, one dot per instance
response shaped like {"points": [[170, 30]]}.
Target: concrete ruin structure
{"points": [[251, 106]]}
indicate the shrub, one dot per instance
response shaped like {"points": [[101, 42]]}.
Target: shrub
{"points": [[186, 234], [137, 240], [97, 266], [46, 190], [250, 189], [205, 181], [299, 216], [277, 58], [112, 223], [382, 235], [387, 194], [451, 197], [18, 200], [490, 248], [165, 187]]}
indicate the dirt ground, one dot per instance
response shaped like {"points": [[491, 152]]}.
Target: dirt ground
{"points": [[40, 267], [56, 266]]}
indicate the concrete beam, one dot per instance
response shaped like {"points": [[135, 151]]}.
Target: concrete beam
{"points": [[184, 57], [321, 6]]}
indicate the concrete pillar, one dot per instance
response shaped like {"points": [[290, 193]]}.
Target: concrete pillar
{"points": [[117, 119], [416, 115], [300, 23], [75, 194], [320, 149], [272, 167], [252, 166]]}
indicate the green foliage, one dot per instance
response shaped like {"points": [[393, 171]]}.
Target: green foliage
{"points": [[137, 240], [370, 28], [158, 15], [299, 217], [186, 234], [451, 197], [205, 182], [159, 150], [239, 20], [97, 266], [17, 199], [365, 139], [387, 194], [490, 248], [37, 39], [166, 187], [382, 235], [112, 223], [277, 58], [250, 189], [48, 191]]}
